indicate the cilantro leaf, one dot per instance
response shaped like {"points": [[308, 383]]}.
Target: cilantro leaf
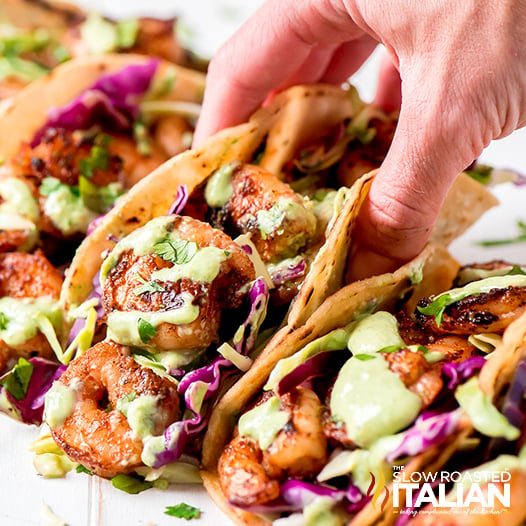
{"points": [[364, 357], [516, 270], [436, 308], [99, 198], [82, 469], [519, 238], [177, 251], [391, 348], [147, 331], [4, 320], [17, 380], [98, 159], [147, 286], [183, 511], [130, 484]]}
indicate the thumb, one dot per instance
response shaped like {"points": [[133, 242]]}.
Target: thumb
{"points": [[431, 146]]}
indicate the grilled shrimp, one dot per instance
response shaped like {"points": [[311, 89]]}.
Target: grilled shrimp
{"points": [[173, 134], [243, 477], [489, 311], [26, 277], [250, 476], [267, 209], [153, 282], [105, 382], [419, 376]]}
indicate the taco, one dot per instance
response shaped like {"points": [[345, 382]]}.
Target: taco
{"points": [[372, 389], [70, 152], [38, 35], [76, 140]]}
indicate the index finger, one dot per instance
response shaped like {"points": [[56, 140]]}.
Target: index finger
{"points": [[266, 51]]}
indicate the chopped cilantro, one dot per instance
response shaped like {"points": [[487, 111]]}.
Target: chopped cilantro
{"points": [[99, 198], [516, 270], [142, 138], [436, 308], [17, 380], [481, 173], [147, 286], [183, 511], [519, 238], [146, 330], [98, 159], [82, 469], [364, 357], [4, 320], [177, 251], [391, 348], [130, 484]]}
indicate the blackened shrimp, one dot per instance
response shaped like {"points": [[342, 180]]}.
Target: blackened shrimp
{"points": [[250, 475], [102, 386], [25, 279], [490, 311], [179, 275], [417, 374], [267, 209]]}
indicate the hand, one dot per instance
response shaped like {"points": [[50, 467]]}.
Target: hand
{"points": [[463, 70]]}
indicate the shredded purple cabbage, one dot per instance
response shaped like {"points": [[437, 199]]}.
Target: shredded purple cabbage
{"points": [[296, 494], [204, 384], [290, 272], [259, 296], [181, 198], [247, 249], [112, 101], [31, 407], [458, 371], [318, 365], [179, 434], [429, 429]]}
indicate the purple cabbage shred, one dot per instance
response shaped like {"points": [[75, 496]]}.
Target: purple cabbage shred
{"points": [[459, 371]]}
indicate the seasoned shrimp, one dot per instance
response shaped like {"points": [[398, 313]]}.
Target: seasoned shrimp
{"points": [[26, 277], [243, 478], [419, 376], [489, 311], [173, 134], [205, 277], [61, 154], [275, 217], [250, 476], [96, 433]]}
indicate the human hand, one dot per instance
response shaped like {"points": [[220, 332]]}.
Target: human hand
{"points": [[462, 66]]}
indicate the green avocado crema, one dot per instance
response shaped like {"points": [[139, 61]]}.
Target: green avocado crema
{"points": [[264, 422], [123, 326], [59, 404], [18, 198], [373, 333], [65, 207], [142, 414], [372, 401], [484, 416], [219, 189], [273, 221], [20, 323], [204, 265]]}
